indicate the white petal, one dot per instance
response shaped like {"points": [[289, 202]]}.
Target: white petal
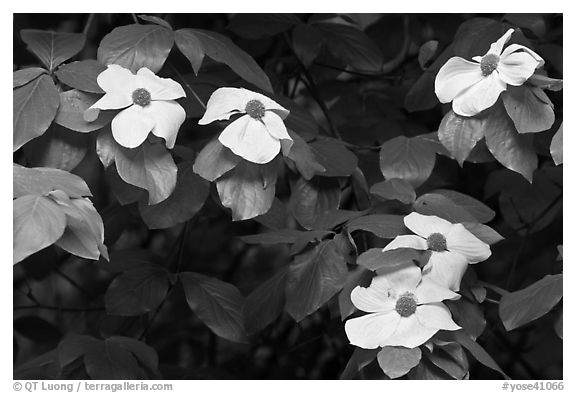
{"points": [[496, 47], [463, 242], [117, 79], [446, 268], [269, 104], [275, 126], [400, 278], [430, 292], [223, 103], [516, 68], [479, 97], [455, 76], [159, 88], [370, 330], [376, 298], [409, 333], [426, 225], [168, 116], [131, 126], [249, 138], [114, 100], [407, 241], [515, 47], [436, 316]]}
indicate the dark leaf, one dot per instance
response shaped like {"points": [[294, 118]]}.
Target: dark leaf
{"points": [[40, 181], [460, 134], [265, 303], [469, 315], [359, 277], [546, 83], [528, 112], [37, 329], [81, 75], [53, 48], [475, 36], [73, 104], [307, 42], [283, 236], [375, 259], [427, 52], [304, 158], [309, 199], [451, 358], [359, 359], [397, 189], [214, 160], [410, 159], [397, 361], [257, 26], [26, 75], [217, 304], [155, 20], [334, 157], [533, 22], [483, 232], [556, 149], [387, 226]]}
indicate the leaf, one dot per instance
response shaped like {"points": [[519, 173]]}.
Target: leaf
{"points": [[196, 43], [511, 149], [387, 226], [546, 83], [397, 361], [333, 218], [483, 232], [38, 222], [137, 291], [185, 201], [469, 315], [471, 206], [34, 107], [518, 308], [359, 359], [410, 159], [37, 329], [533, 22], [282, 236], [84, 234], [352, 46], [375, 259], [307, 42], [336, 159], [214, 160], [427, 52], [265, 303], [149, 166], [451, 358], [136, 46], [26, 75], [217, 304], [528, 112], [475, 36], [309, 199], [106, 147], [359, 277], [556, 149], [313, 278], [248, 190], [155, 20], [433, 204], [73, 104], [460, 134], [258, 26], [58, 148], [304, 158], [41, 181], [53, 48], [397, 189], [81, 75]]}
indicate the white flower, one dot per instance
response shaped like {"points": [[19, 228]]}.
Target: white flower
{"points": [[149, 103], [452, 247], [405, 309], [255, 136], [474, 86]]}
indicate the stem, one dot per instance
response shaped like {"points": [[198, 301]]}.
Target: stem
{"points": [[155, 314], [88, 24], [187, 85]]}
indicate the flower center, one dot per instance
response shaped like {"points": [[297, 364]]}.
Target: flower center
{"points": [[141, 97], [255, 109], [406, 304], [436, 242], [489, 63]]}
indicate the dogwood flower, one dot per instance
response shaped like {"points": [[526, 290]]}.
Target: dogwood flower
{"points": [[255, 136], [452, 247], [474, 86], [405, 309], [148, 101]]}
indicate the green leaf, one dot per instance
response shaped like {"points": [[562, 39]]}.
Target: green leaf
{"points": [[387, 226], [149, 166], [313, 278], [410, 159], [359, 277], [53, 48], [214, 160], [359, 359], [511, 149], [196, 43], [136, 46], [397, 189], [333, 218], [217, 304], [34, 107], [137, 291], [556, 146], [469, 315], [248, 190], [265, 303], [453, 206], [81, 75], [483, 232], [38, 222], [475, 36], [523, 306], [427, 52], [257, 26], [375, 259], [185, 201], [304, 158], [336, 159], [352, 46], [397, 361], [41, 181], [451, 358], [283, 236], [533, 22], [58, 148], [543, 82], [460, 134], [528, 112], [26, 75], [309, 199], [84, 234], [155, 20], [73, 104], [307, 42]]}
